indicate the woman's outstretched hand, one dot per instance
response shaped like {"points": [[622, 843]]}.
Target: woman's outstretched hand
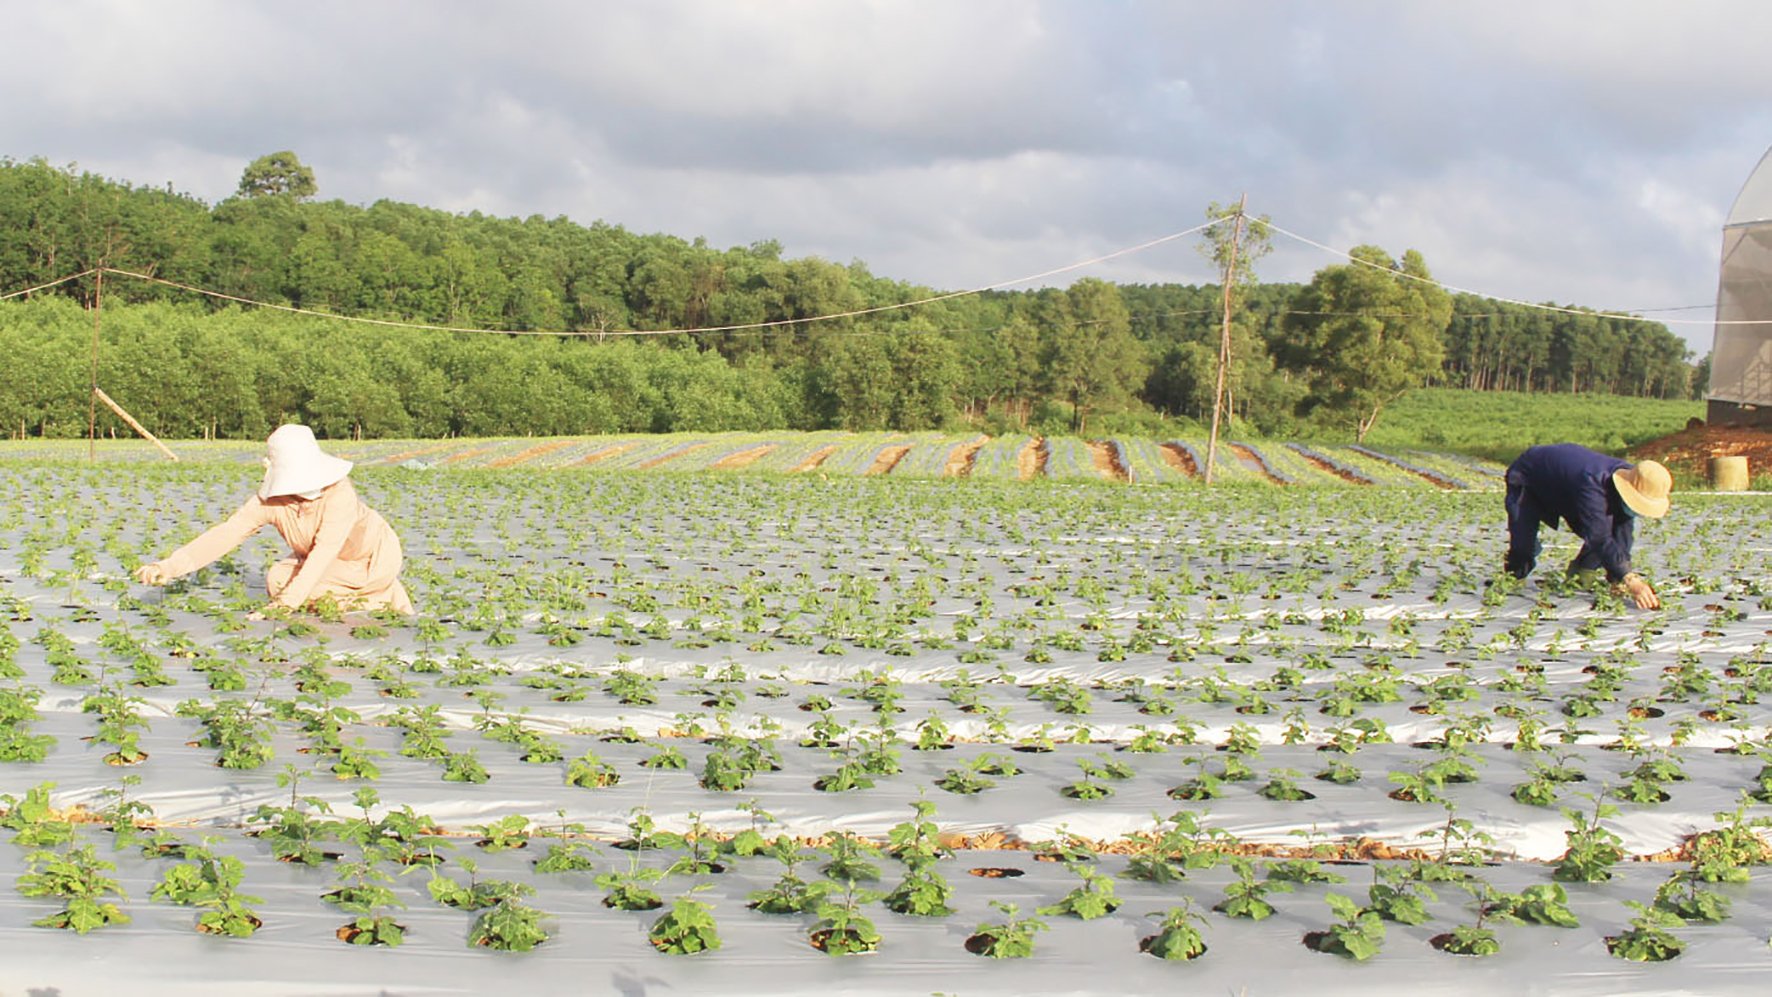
{"points": [[152, 574]]}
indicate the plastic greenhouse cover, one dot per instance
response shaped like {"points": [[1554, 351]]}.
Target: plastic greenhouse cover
{"points": [[1239, 639]]}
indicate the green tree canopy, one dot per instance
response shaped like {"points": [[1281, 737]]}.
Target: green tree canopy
{"points": [[276, 175], [1365, 332]]}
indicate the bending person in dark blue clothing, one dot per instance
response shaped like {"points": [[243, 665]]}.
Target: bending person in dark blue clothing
{"points": [[1598, 496]]}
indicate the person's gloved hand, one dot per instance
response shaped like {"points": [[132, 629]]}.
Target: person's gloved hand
{"points": [[1641, 592], [152, 574]]}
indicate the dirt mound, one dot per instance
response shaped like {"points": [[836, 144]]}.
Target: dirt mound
{"points": [[811, 463], [888, 459], [962, 457], [1031, 461], [1106, 460], [1176, 456], [743, 458], [1691, 449]]}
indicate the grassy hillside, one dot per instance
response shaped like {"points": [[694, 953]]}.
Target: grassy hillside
{"points": [[1499, 424]]}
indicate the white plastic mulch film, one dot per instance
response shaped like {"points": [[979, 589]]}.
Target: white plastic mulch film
{"points": [[1741, 362], [1162, 695]]}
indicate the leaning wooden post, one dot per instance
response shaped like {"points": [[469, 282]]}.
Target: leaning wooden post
{"points": [[1224, 339], [99, 395]]}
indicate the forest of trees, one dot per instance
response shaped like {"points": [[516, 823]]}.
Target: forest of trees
{"points": [[1094, 354]]}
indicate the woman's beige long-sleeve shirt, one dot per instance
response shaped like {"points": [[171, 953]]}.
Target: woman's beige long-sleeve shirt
{"points": [[342, 548]]}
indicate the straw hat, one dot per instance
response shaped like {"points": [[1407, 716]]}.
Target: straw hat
{"points": [[294, 464], [1644, 488]]}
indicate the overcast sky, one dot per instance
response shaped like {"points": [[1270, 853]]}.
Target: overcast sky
{"points": [[1582, 152]]}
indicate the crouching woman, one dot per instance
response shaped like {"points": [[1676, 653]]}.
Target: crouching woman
{"points": [[342, 548]]}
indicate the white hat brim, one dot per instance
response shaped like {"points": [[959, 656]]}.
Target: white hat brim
{"points": [[316, 471]]}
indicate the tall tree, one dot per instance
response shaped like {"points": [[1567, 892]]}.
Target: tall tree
{"points": [[278, 174], [1365, 332]]}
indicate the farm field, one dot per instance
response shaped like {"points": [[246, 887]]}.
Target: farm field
{"points": [[878, 712], [882, 454]]}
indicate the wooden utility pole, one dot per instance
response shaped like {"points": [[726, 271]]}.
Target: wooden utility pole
{"points": [[98, 298], [1224, 339]]}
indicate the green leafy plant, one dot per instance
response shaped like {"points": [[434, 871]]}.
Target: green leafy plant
{"points": [[1178, 934], [1010, 938], [1647, 939], [1092, 899], [76, 876], [687, 928], [1358, 935], [509, 926], [841, 928]]}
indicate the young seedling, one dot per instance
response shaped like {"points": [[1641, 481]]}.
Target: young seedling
{"points": [[790, 894], [922, 893], [1593, 849], [841, 928], [1092, 899], [687, 928], [1357, 936], [1011, 938], [75, 875], [1178, 934], [509, 926], [1647, 939], [1397, 896]]}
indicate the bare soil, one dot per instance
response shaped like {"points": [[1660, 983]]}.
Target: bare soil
{"points": [[1177, 457], [673, 455], [1691, 449], [1031, 462], [812, 462], [888, 459], [1323, 465], [539, 450], [456, 458], [962, 457], [607, 452], [743, 458], [1107, 463]]}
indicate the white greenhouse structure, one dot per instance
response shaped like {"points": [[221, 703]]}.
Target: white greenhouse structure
{"points": [[1741, 359]]}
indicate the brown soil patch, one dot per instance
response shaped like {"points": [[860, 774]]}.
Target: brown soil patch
{"points": [[673, 455], [743, 458], [1690, 450], [1176, 456], [811, 463], [1107, 463], [888, 459], [1031, 461], [456, 458], [1323, 465], [1247, 456], [962, 457], [539, 450], [613, 450]]}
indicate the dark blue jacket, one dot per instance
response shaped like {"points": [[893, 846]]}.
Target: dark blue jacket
{"points": [[1568, 482]]}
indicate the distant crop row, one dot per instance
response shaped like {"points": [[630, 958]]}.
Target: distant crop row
{"points": [[900, 455]]}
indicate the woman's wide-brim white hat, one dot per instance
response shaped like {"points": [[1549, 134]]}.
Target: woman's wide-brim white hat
{"points": [[294, 463]]}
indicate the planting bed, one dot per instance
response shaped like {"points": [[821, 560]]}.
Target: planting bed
{"points": [[1041, 701]]}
